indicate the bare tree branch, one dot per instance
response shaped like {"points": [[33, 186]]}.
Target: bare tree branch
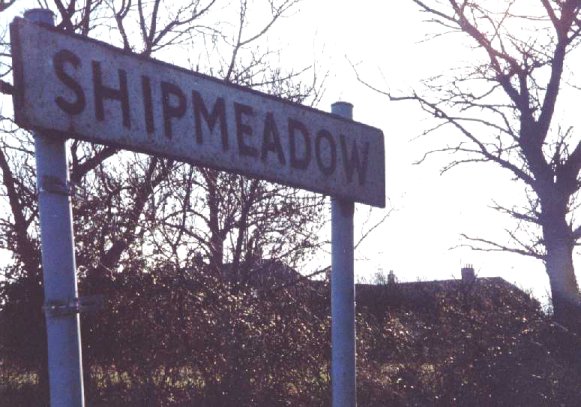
{"points": [[490, 246]]}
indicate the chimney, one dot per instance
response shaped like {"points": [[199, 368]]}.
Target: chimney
{"points": [[468, 275], [391, 278]]}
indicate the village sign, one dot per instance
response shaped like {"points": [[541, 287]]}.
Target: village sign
{"points": [[68, 86]]}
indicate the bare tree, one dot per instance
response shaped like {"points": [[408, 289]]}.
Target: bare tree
{"points": [[140, 213], [504, 108], [147, 188]]}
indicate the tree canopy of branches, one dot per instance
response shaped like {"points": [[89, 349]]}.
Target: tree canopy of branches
{"points": [[505, 106], [140, 214]]}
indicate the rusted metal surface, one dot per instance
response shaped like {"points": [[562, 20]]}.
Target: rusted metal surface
{"points": [[75, 87]]}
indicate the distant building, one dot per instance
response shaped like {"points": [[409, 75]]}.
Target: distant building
{"points": [[479, 293], [470, 292]]}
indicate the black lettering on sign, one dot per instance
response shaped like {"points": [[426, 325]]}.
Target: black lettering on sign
{"points": [[171, 111], [327, 166], [294, 127], [353, 162], [243, 129], [218, 113], [147, 104], [271, 139], [103, 92], [59, 60]]}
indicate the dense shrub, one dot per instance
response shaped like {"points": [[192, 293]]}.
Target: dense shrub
{"points": [[190, 338]]}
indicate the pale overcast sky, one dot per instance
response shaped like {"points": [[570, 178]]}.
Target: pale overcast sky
{"points": [[384, 40]]}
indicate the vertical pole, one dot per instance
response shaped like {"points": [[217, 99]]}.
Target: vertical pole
{"points": [[58, 263], [342, 294]]}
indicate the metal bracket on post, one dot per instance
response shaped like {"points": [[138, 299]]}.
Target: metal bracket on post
{"points": [[54, 185], [86, 304]]}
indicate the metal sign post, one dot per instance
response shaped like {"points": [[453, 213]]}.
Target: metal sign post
{"points": [[58, 263], [343, 368]]}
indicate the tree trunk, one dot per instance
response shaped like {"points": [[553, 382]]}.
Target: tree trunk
{"points": [[559, 243], [564, 288]]}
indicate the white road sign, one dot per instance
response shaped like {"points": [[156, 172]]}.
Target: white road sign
{"points": [[67, 85]]}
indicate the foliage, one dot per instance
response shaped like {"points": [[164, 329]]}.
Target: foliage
{"points": [[455, 344], [182, 337], [199, 340]]}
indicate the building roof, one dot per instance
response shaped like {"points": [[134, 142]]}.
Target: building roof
{"points": [[486, 292]]}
